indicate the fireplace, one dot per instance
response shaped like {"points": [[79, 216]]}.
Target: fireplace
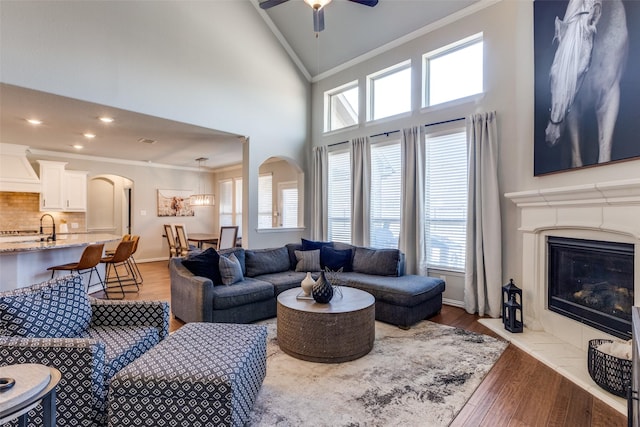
{"points": [[592, 282]]}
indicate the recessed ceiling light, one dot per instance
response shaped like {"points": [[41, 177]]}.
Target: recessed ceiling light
{"points": [[78, 146], [35, 121], [105, 119], [147, 141], [89, 135]]}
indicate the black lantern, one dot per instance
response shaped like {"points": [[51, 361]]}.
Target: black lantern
{"points": [[512, 307]]}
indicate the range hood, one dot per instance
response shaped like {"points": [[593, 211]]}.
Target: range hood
{"points": [[16, 173]]}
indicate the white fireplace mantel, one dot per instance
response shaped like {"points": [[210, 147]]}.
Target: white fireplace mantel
{"points": [[607, 211]]}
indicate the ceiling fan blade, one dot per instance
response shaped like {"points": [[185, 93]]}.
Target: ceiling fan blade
{"points": [[369, 3], [318, 20], [267, 4]]}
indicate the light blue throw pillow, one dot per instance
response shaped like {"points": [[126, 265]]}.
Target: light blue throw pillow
{"points": [[230, 269]]}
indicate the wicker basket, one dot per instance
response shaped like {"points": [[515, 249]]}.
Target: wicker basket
{"points": [[609, 372]]}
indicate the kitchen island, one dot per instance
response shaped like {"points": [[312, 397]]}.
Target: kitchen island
{"points": [[24, 263]]}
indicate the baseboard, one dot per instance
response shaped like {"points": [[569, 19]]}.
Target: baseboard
{"points": [[453, 302]]}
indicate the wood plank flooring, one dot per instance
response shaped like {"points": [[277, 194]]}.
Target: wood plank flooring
{"points": [[518, 391]]}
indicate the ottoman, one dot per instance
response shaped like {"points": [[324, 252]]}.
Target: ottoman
{"points": [[204, 374]]}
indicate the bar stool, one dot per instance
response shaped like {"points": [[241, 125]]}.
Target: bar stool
{"points": [[120, 259], [89, 259], [132, 261]]}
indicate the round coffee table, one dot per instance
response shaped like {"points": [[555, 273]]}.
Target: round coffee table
{"points": [[342, 330]]}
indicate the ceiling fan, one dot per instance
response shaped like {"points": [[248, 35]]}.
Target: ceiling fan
{"points": [[318, 9]]}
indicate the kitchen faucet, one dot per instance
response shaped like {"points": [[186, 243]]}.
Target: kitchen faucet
{"points": [[53, 228]]}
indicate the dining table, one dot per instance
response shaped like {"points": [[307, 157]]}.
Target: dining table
{"points": [[201, 238]]}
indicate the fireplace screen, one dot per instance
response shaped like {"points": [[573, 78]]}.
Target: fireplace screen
{"points": [[592, 282]]}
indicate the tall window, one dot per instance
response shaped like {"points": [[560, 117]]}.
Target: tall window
{"points": [[446, 200], [339, 197], [265, 201], [454, 71], [288, 204], [389, 91], [230, 200], [386, 185], [341, 107]]}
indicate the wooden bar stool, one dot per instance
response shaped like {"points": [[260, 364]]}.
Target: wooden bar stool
{"points": [[89, 259]]}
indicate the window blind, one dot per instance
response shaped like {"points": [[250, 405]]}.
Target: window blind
{"points": [[289, 214], [237, 182], [339, 196], [226, 202], [265, 201], [446, 200], [386, 185]]}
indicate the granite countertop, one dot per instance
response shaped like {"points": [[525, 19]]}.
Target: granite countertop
{"points": [[63, 241]]}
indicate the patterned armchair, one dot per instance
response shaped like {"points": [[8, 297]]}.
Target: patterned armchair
{"points": [[88, 340]]}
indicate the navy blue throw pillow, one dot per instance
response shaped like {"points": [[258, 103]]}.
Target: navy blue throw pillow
{"points": [[205, 264], [335, 259], [311, 245]]}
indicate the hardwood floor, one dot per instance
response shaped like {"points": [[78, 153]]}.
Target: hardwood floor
{"points": [[518, 391]]}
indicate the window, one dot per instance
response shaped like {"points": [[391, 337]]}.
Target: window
{"points": [[454, 71], [265, 201], [288, 204], [446, 200], [339, 197], [341, 107], [231, 203], [386, 185], [389, 91]]}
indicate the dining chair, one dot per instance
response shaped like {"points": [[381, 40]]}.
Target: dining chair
{"points": [[120, 259], [228, 237], [89, 259], [171, 239], [183, 242]]}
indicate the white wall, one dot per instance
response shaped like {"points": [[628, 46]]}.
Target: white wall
{"points": [[509, 89], [213, 64]]}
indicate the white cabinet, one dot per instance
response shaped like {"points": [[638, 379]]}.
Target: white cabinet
{"points": [[62, 190], [51, 181], [74, 191]]}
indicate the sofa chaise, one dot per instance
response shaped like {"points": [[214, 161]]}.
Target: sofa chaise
{"points": [[203, 289]]}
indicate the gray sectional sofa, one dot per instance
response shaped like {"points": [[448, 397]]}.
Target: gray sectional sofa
{"points": [[204, 290]]}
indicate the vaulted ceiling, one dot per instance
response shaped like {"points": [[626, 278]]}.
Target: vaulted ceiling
{"points": [[352, 32]]}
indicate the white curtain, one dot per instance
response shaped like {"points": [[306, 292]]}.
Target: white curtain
{"points": [[483, 277], [411, 240], [319, 194], [360, 190]]}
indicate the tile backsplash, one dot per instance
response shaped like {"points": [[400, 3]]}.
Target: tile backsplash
{"points": [[21, 211]]}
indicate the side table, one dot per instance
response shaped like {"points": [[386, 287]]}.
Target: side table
{"points": [[34, 384]]}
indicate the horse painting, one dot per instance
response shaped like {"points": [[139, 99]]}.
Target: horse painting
{"points": [[590, 59]]}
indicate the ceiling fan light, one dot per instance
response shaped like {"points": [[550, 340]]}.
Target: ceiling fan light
{"points": [[317, 4]]}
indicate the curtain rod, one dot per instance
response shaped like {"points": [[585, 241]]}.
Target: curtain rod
{"points": [[398, 130]]}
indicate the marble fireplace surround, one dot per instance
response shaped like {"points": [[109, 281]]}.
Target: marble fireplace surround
{"points": [[607, 211]]}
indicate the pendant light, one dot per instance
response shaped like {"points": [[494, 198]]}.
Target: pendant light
{"points": [[201, 199]]}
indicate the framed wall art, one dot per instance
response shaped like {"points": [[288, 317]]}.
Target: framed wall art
{"points": [[174, 203], [587, 83]]}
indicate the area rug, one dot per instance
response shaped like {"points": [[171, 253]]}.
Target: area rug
{"points": [[421, 376]]}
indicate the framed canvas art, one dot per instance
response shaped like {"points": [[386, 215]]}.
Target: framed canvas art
{"points": [[587, 83], [174, 203]]}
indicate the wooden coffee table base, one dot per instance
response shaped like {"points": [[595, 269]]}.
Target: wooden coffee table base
{"points": [[339, 331]]}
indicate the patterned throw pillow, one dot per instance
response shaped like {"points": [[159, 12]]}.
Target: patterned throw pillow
{"points": [[230, 270], [58, 308], [308, 260]]}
